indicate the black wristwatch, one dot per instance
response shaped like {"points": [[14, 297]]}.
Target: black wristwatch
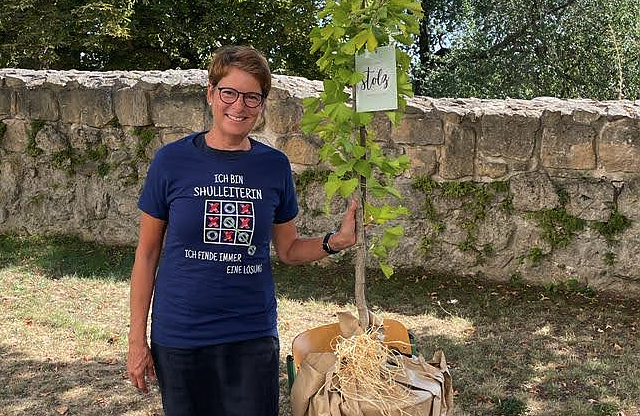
{"points": [[325, 243]]}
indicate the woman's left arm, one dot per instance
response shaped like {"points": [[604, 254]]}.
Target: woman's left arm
{"points": [[293, 249]]}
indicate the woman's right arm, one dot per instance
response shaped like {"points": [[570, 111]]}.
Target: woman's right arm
{"points": [[139, 361]]}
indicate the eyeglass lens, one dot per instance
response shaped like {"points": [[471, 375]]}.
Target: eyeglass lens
{"points": [[230, 95]]}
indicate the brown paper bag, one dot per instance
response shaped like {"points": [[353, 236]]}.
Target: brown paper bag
{"points": [[316, 391]]}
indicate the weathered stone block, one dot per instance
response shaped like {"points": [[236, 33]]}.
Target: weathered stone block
{"points": [[495, 230], [592, 201], [50, 140], [381, 127], [16, 136], [179, 108], [533, 191], [458, 151], [299, 149], [132, 107], [6, 95], [112, 137], [422, 160], [491, 168], [90, 107], [619, 146], [172, 134], [283, 116], [629, 199], [627, 258], [11, 176], [418, 129], [82, 137], [91, 199], [526, 236], [37, 104], [567, 145], [584, 116], [511, 136]]}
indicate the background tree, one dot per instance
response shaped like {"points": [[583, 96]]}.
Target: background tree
{"points": [[153, 34], [529, 48], [489, 49]]}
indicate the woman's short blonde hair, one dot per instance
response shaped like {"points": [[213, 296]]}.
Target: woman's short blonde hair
{"points": [[244, 58]]}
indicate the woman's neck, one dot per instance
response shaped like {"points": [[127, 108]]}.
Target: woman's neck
{"points": [[215, 140]]}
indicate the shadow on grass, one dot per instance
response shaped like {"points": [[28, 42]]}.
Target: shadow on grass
{"points": [[57, 256], [511, 348], [88, 388]]}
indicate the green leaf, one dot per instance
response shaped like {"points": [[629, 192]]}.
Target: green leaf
{"points": [[397, 231], [348, 187], [372, 42], [386, 269], [332, 186], [394, 116], [363, 168], [393, 191], [349, 48], [362, 119], [309, 122], [358, 151], [326, 32], [361, 38], [311, 103]]}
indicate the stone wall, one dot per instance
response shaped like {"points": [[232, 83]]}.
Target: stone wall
{"points": [[544, 190]]}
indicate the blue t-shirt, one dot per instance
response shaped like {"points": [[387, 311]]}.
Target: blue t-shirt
{"points": [[214, 282]]}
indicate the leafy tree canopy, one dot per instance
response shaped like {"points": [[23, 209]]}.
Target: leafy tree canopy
{"points": [[489, 49], [153, 34], [529, 48]]}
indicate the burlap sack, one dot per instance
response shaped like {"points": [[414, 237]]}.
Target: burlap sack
{"points": [[315, 391]]}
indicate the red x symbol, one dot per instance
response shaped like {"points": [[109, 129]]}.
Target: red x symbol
{"points": [[214, 207], [245, 208], [245, 223], [228, 236], [213, 221]]}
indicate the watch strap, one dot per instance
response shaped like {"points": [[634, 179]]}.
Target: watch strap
{"points": [[325, 243]]}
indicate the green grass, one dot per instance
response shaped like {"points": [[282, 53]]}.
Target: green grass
{"points": [[514, 349], [57, 256]]}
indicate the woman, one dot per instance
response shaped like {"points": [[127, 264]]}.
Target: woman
{"points": [[211, 204]]}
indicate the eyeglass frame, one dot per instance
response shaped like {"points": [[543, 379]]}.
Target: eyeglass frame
{"points": [[238, 93]]}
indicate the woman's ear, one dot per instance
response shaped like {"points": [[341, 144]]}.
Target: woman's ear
{"points": [[210, 90]]}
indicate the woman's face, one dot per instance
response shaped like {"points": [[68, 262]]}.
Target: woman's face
{"points": [[235, 120]]}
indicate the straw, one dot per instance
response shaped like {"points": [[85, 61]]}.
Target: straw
{"points": [[366, 370]]}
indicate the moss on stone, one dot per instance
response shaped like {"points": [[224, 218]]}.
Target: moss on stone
{"points": [[99, 153], [32, 148], [609, 258], [617, 224], [477, 198], [145, 136], [131, 179], [535, 255], [104, 169], [65, 160], [309, 176], [424, 184], [557, 227]]}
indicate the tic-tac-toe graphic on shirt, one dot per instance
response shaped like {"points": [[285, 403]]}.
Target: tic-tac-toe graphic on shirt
{"points": [[228, 222]]}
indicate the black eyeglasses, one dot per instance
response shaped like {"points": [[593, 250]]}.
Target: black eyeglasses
{"points": [[230, 95]]}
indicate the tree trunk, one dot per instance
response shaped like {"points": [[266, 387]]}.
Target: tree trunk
{"points": [[361, 248]]}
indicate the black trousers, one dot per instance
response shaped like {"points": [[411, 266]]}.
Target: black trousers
{"points": [[239, 378]]}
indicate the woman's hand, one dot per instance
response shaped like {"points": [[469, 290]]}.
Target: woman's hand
{"points": [[140, 366], [346, 235]]}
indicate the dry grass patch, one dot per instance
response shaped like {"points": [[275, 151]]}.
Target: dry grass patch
{"points": [[513, 350]]}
